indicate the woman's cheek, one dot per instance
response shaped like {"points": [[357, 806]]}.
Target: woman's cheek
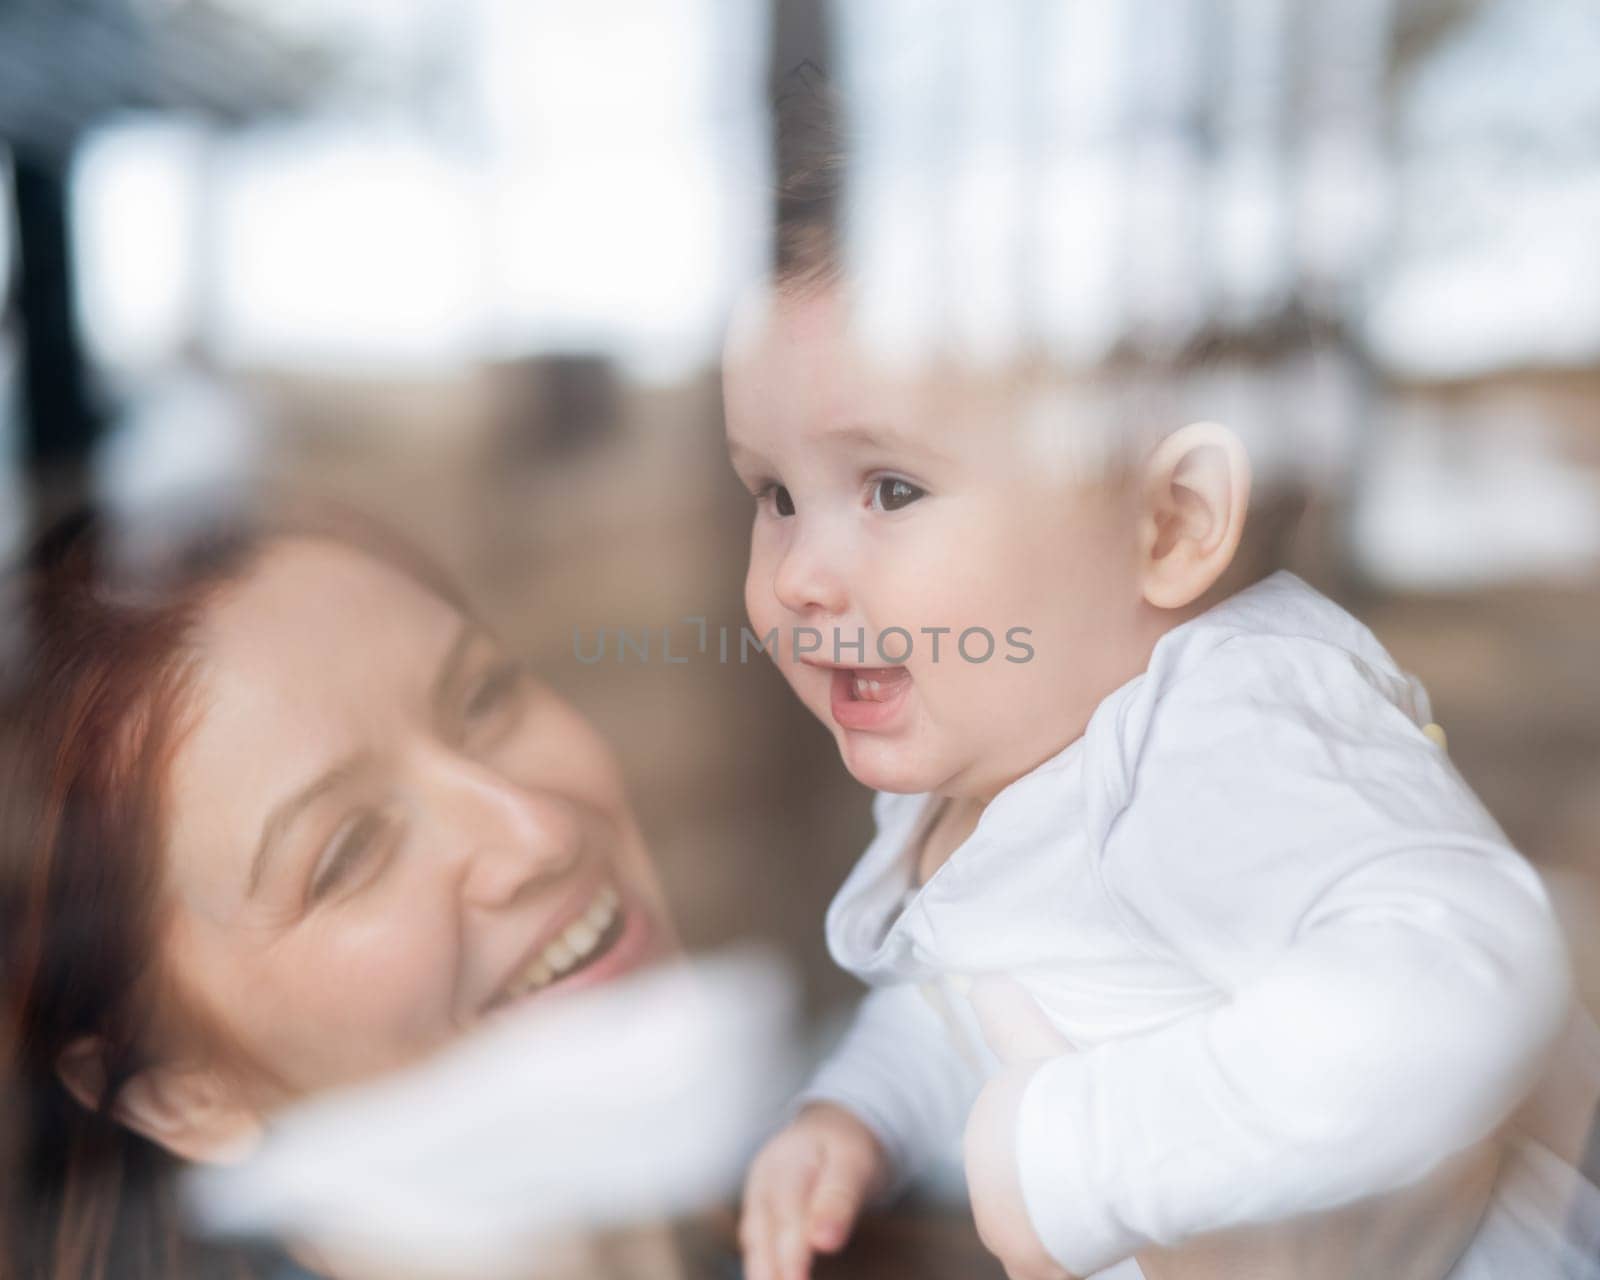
{"points": [[397, 973]]}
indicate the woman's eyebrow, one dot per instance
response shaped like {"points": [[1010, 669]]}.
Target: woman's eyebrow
{"points": [[288, 810]]}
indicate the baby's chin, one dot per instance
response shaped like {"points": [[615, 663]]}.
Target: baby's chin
{"points": [[885, 764]]}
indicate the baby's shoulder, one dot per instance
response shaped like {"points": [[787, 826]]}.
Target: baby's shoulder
{"points": [[1275, 682], [1278, 647]]}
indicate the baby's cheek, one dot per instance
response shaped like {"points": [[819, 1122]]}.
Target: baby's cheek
{"points": [[769, 628], [760, 606]]}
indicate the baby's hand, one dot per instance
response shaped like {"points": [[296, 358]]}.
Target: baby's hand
{"points": [[805, 1190]]}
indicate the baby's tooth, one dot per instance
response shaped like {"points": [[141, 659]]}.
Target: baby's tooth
{"points": [[581, 937], [559, 956]]}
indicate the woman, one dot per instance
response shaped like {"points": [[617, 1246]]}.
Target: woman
{"points": [[278, 815]]}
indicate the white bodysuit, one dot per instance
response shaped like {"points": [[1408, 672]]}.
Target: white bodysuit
{"points": [[1297, 962]]}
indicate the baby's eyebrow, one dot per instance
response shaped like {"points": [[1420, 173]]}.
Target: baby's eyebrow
{"points": [[874, 436], [871, 437]]}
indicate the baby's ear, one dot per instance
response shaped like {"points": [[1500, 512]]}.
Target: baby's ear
{"points": [[1194, 492]]}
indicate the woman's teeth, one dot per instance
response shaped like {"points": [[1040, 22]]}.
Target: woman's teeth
{"points": [[577, 943]]}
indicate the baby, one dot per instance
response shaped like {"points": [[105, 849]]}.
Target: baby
{"points": [[1176, 904]]}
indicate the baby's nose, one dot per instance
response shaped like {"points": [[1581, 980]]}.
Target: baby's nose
{"points": [[807, 579]]}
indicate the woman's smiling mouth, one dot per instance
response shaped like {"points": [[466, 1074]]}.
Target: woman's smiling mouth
{"points": [[609, 936], [581, 942]]}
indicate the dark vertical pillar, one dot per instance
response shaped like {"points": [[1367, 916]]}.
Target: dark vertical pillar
{"points": [[798, 88], [60, 425], [800, 35]]}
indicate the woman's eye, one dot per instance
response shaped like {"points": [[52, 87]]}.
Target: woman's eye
{"points": [[491, 694], [491, 703], [894, 494], [353, 845], [782, 500]]}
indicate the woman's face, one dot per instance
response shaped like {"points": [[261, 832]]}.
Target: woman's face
{"points": [[382, 832]]}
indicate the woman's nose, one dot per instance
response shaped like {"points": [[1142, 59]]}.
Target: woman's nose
{"points": [[807, 579], [514, 839]]}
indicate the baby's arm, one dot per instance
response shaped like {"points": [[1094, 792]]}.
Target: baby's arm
{"points": [[899, 1070], [887, 1101], [1396, 973]]}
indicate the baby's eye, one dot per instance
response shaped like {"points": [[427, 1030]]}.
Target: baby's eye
{"points": [[894, 494], [782, 499]]}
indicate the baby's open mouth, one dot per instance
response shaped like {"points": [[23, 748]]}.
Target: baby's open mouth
{"points": [[875, 684], [581, 944], [869, 699]]}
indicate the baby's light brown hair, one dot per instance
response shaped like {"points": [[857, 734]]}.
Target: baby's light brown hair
{"points": [[1107, 417]]}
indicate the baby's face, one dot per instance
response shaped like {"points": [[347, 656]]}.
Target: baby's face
{"points": [[996, 600]]}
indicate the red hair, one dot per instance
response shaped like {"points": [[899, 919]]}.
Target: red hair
{"points": [[88, 714]]}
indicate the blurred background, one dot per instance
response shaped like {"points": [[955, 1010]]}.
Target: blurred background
{"points": [[465, 264]]}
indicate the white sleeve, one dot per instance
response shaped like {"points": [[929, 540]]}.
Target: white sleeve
{"points": [[1395, 973], [898, 1070]]}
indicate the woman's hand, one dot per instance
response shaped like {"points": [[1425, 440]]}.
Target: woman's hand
{"points": [[1022, 1037], [805, 1190], [998, 1208]]}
